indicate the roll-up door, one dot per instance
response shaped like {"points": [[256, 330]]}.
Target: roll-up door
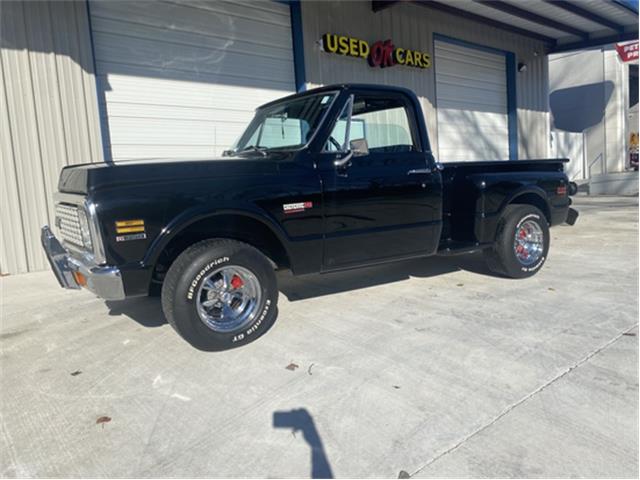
{"points": [[183, 79], [471, 102]]}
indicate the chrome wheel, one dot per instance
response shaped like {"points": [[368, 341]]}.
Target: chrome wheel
{"points": [[229, 299], [528, 243]]}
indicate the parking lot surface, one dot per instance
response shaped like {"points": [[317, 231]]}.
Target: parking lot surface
{"points": [[426, 368]]}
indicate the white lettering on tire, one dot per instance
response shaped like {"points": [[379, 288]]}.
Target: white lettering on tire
{"points": [[255, 325], [535, 267], [202, 273]]}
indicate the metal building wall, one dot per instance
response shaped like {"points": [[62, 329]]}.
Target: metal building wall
{"points": [[412, 26], [594, 84], [48, 118], [615, 119]]}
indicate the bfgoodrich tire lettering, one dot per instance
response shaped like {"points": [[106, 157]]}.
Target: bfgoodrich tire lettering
{"points": [[183, 286], [503, 258]]}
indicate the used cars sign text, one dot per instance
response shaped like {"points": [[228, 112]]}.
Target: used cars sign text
{"points": [[379, 54]]}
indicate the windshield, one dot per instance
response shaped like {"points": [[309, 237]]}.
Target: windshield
{"points": [[286, 124]]}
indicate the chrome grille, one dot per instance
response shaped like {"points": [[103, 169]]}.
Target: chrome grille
{"points": [[68, 224]]}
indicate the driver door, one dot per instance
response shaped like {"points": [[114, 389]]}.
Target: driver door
{"points": [[384, 201]]}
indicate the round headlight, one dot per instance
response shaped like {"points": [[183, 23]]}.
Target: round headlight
{"points": [[85, 230]]}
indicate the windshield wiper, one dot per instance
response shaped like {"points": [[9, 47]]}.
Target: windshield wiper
{"points": [[250, 148]]}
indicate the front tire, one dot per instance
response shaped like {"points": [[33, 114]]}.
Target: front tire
{"points": [[220, 294], [522, 242]]}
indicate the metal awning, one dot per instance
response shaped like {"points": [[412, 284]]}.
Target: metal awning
{"points": [[561, 24]]}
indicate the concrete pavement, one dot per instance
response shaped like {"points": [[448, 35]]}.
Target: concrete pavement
{"points": [[432, 368]]}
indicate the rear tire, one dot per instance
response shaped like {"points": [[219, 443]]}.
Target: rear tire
{"points": [[522, 242], [220, 294]]}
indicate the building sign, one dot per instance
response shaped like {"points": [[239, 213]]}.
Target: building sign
{"points": [[379, 54], [628, 52]]}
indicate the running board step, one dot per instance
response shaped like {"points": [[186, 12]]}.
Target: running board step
{"points": [[460, 248]]}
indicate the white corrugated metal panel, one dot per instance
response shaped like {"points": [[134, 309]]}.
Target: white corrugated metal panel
{"points": [[471, 101], [49, 118], [180, 79], [13, 256], [570, 145], [413, 26]]}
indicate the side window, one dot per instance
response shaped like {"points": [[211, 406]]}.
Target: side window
{"points": [[382, 121]]}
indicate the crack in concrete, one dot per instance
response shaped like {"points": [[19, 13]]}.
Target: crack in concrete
{"points": [[511, 407]]}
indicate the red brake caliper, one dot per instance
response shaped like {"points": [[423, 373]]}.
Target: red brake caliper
{"points": [[520, 249], [236, 282], [523, 233]]}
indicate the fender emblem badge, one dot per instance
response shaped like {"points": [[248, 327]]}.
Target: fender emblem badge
{"points": [[135, 236], [296, 207]]}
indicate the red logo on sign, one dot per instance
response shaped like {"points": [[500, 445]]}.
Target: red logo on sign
{"points": [[382, 54]]}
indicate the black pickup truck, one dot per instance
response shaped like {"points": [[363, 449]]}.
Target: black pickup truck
{"points": [[333, 178]]}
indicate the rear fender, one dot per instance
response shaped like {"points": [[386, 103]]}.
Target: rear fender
{"points": [[533, 192], [486, 222]]}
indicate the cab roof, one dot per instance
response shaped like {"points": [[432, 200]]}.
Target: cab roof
{"points": [[338, 87]]}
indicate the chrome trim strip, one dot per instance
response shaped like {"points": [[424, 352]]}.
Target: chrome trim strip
{"points": [[104, 281], [58, 259], [98, 255], [74, 198]]}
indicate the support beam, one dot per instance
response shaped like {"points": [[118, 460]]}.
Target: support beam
{"points": [[379, 5], [586, 14], [596, 42], [485, 20], [532, 17]]}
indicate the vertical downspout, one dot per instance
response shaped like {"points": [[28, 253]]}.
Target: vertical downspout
{"points": [[512, 105], [298, 45], [102, 102]]}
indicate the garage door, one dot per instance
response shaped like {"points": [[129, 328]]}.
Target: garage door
{"points": [[183, 79], [471, 96]]}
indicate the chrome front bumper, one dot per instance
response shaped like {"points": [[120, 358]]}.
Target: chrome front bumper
{"points": [[104, 281]]}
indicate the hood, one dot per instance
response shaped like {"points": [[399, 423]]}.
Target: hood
{"points": [[89, 177]]}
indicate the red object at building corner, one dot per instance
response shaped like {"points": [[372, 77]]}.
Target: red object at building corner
{"points": [[628, 51]]}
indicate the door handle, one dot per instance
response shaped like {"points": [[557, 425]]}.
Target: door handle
{"points": [[342, 162], [419, 171]]}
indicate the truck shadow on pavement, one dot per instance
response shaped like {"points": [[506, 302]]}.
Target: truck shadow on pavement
{"points": [[147, 311], [317, 285]]}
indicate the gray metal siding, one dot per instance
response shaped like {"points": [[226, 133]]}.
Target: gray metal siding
{"points": [[412, 26], [48, 118], [183, 79]]}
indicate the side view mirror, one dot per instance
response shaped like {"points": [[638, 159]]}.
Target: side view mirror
{"points": [[357, 148]]}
